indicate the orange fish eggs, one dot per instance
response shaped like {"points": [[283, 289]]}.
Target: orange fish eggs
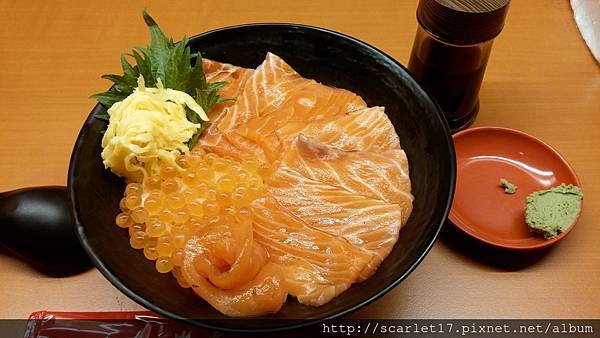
{"points": [[254, 192], [197, 153], [156, 194], [133, 201], [201, 188], [241, 175], [196, 208], [123, 220], [138, 240], [225, 183], [190, 195], [133, 188], [210, 157], [152, 205], [164, 246], [122, 204], [175, 201], [183, 161], [189, 178], [164, 264], [136, 227], [152, 183], [156, 228], [223, 198], [168, 171], [204, 173], [219, 165], [250, 165], [245, 212], [191, 228], [179, 240], [255, 180], [166, 215], [228, 210], [169, 186], [150, 250], [211, 208], [181, 216], [180, 201], [139, 215], [211, 194], [178, 228], [238, 200]]}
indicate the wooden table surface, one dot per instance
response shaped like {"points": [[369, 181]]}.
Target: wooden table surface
{"points": [[541, 79]]}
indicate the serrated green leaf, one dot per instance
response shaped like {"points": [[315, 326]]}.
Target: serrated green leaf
{"points": [[208, 96], [109, 98], [173, 63], [113, 77], [128, 70], [194, 139]]}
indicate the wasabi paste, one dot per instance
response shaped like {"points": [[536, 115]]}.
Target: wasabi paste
{"points": [[509, 188], [550, 212]]}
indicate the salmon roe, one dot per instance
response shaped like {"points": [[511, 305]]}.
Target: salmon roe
{"points": [[164, 211]]}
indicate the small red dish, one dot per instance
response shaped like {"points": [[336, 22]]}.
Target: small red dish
{"points": [[481, 208]]}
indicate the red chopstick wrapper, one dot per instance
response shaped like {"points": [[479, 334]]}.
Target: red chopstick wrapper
{"points": [[145, 324]]}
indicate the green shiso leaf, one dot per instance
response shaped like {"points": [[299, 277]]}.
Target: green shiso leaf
{"points": [[174, 64]]}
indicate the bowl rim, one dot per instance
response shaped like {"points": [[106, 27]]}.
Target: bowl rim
{"points": [[467, 227], [115, 281]]}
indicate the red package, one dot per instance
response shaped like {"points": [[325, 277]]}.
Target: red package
{"points": [[144, 324]]}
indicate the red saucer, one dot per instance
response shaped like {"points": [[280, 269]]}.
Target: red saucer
{"points": [[480, 207]]}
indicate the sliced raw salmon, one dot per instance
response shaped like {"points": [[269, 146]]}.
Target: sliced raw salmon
{"points": [[276, 88], [265, 293], [365, 129], [230, 270], [316, 266], [345, 194], [234, 76], [272, 97], [377, 175]]}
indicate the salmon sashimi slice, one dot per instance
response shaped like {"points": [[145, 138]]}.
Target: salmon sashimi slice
{"points": [[316, 266], [231, 257], [365, 129], [263, 294], [229, 269], [235, 78], [275, 87], [335, 205], [377, 175], [272, 97]]}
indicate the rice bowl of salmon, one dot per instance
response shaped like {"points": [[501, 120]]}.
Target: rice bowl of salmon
{"points": [[320, 182]]}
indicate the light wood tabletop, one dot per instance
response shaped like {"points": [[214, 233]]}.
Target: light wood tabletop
{"points": [[541, 79]]}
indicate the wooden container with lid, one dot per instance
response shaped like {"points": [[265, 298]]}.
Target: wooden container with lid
{"points": [[451, 49]]}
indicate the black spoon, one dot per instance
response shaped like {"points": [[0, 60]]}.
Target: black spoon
{"points": [[37, 225]]}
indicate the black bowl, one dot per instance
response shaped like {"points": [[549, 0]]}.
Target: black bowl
{"points": [[331, 58]]}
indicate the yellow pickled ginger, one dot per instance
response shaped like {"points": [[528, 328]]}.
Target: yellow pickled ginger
{"points": [[148, 129]]}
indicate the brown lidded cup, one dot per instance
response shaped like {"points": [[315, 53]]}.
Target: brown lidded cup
{"points": [[451, 49]]}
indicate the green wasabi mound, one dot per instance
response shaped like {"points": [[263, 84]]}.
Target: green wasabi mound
{"points": [[550, 212], [509, 188]]}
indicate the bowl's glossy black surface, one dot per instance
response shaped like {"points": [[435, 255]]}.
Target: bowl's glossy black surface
{"points": [[333, 59]]}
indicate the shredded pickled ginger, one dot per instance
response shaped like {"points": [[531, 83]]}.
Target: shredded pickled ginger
{"points": [[148, 129]]}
